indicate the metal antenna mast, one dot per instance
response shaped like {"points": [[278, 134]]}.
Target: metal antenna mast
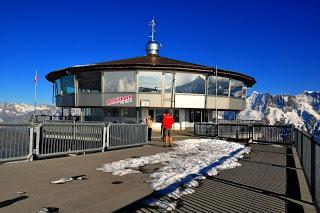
{"points": [[153, 28]]}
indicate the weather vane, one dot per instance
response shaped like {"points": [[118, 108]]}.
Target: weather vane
{"points": [[153, 29]]}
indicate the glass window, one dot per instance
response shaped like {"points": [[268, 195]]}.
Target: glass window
{"points": [[190, 83], [93, 114], [89, 82], [159, 115], [129, 112], [205, 116], [194, 116], [223, 86], [168, 80], [67, 85], [150, 82], [211, 85], [57, 87], [120, 115], [119, 81], [244, 92], [176, 115], [112, 112], [236, 88]]}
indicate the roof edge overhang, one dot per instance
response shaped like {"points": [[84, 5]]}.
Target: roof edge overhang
{"points": [[52, 76]]}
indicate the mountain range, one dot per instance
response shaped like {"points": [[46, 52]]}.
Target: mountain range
{"points": [[302, 110], [20, 112]]}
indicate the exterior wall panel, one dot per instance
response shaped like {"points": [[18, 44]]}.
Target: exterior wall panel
{"points": [[222, 102], [236, 104], [65, 100], [155, 100], [94, 99], [189, 101]]}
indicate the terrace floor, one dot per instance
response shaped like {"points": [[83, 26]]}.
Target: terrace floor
{"points": [[269, 180]]}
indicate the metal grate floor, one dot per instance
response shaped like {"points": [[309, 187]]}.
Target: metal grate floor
{"points": [[260, 185]]}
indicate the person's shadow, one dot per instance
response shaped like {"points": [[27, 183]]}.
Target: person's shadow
{"points": [[12, 201]]}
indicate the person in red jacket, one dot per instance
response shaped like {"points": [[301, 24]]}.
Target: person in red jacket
{"points": [[167, 123]]}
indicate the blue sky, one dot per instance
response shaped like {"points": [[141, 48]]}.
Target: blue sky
{"points": [[275, 41]]}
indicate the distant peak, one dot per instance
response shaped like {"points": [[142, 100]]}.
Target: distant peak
{"points": [[310, 92]]}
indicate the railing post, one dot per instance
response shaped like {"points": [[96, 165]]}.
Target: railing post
{"points": [[30, 155], [217, 130], [104, 138], [146, 134], [108, 136], [206, 125], [38, 131], [253, 132]]}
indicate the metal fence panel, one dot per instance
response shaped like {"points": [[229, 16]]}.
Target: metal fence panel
{"points": [[15, 141], [66, 138], [126, 135], [198, 129], [306, 160], [234, 131], [211, 130], [205, 129], [273, 133], [309, 154]]}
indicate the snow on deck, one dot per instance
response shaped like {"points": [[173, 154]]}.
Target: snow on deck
{"points": [[190, 160]]}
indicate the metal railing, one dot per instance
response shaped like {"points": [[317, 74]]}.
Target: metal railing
{"points": [[240, 121], [309, 154], [227, 131], [50, 139], [282, 134], [15, 141], [234, 131], [307, 148], [66, 138], [126, 135], [205, 129]]}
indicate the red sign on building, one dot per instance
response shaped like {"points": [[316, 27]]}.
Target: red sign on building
{"points": [[119, 100]]}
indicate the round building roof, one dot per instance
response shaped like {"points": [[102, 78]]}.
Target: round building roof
{"points": [[150, 62]]}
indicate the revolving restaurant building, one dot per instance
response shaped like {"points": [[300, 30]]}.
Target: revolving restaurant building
{"points": [[128, 90]]}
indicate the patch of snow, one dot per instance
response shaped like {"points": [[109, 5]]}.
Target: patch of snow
{"points": [[189, 161], [68, 179], [62, 180]]}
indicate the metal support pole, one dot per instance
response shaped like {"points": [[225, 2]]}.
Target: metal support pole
{"points": [[216, 95]]}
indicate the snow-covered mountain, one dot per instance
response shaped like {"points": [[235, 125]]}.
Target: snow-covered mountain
{"points": [[20, 112], [302, 110]]}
